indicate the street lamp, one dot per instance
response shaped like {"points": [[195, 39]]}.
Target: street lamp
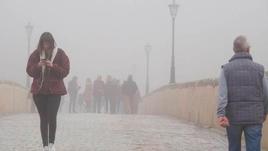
{"points": [[29, 30], [173, 12], [147, 49]]}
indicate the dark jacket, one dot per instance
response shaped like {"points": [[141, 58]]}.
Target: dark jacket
{"points": [[110, 89], [53, 80], [98, 88], [129, 88], [73, 88], [244, 80]]}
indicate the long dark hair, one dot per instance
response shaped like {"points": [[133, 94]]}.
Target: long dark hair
{"points": [[46, 37]]}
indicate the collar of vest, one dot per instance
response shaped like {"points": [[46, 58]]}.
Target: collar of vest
{"points": [[241, 55]]}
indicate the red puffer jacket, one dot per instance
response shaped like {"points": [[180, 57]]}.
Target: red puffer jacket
{"points": [[53, 82]]}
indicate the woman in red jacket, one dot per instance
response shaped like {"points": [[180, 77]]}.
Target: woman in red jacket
{"points": [[48, 66]]}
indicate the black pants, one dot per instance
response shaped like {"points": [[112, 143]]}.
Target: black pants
{"points": [[112, 101], [97, 104], [47, 106], [107, 102]]}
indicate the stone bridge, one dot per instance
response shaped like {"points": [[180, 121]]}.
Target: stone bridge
{"points": [[173, 118]]}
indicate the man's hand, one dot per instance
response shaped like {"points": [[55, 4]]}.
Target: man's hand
{"points": [[223, 121]]}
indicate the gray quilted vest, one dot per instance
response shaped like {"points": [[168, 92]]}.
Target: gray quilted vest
{"points": [[245, 90]]}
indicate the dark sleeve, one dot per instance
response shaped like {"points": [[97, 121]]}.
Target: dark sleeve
{"points": [[63, 69], [32, 66]]}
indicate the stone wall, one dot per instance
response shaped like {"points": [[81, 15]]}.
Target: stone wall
{"points": [[194, 101], [13, 98]]}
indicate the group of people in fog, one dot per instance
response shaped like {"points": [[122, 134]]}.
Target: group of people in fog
{"points": [[99, 96]]}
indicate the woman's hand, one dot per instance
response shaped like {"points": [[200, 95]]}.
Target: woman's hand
{"points": [[49, 63], [41, 63]]}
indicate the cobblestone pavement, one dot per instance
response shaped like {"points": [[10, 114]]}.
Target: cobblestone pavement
{"points": [[91, 132]]}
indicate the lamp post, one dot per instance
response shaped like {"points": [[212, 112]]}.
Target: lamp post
{"points": [[29, 30], [173, 12], [147, 49]]}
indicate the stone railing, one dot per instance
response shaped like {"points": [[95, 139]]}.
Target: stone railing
{"points": [[13, 98], [193, 101]]}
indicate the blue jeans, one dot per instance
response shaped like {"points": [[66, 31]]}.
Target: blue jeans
{"points": [[253, 135]]}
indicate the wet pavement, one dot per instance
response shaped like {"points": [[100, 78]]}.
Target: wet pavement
{"points": [[102, 132]]}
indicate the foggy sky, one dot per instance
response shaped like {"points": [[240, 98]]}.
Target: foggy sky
{"points": [[108, 36]]}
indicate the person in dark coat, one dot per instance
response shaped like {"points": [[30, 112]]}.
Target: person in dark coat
{"points": [[118, 95], [111, 94], [48, 66], [73, 89], [98, 94], [129, 92], [88, 95], [108, 93]]}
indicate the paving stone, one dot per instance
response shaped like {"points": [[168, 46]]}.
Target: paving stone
{"points": [[102, 132]]}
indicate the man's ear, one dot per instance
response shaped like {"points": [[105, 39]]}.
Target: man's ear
{"points": [[248, 49]]}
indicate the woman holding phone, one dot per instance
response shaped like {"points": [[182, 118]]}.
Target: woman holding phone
{"points": [[48, 66]]}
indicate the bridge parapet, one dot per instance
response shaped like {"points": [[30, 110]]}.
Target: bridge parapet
{"points": [[192, 101], [14, 98]]}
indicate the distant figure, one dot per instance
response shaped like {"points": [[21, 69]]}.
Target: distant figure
{"points": [[129, 92], [108, 93], [118, 95], [73, 89], [88, 96], [81, 102], [112, 94], [48, 65], [98, 94], [243, 99]]}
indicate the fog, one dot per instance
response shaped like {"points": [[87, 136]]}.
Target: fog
{"points": [[104, 37]]}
